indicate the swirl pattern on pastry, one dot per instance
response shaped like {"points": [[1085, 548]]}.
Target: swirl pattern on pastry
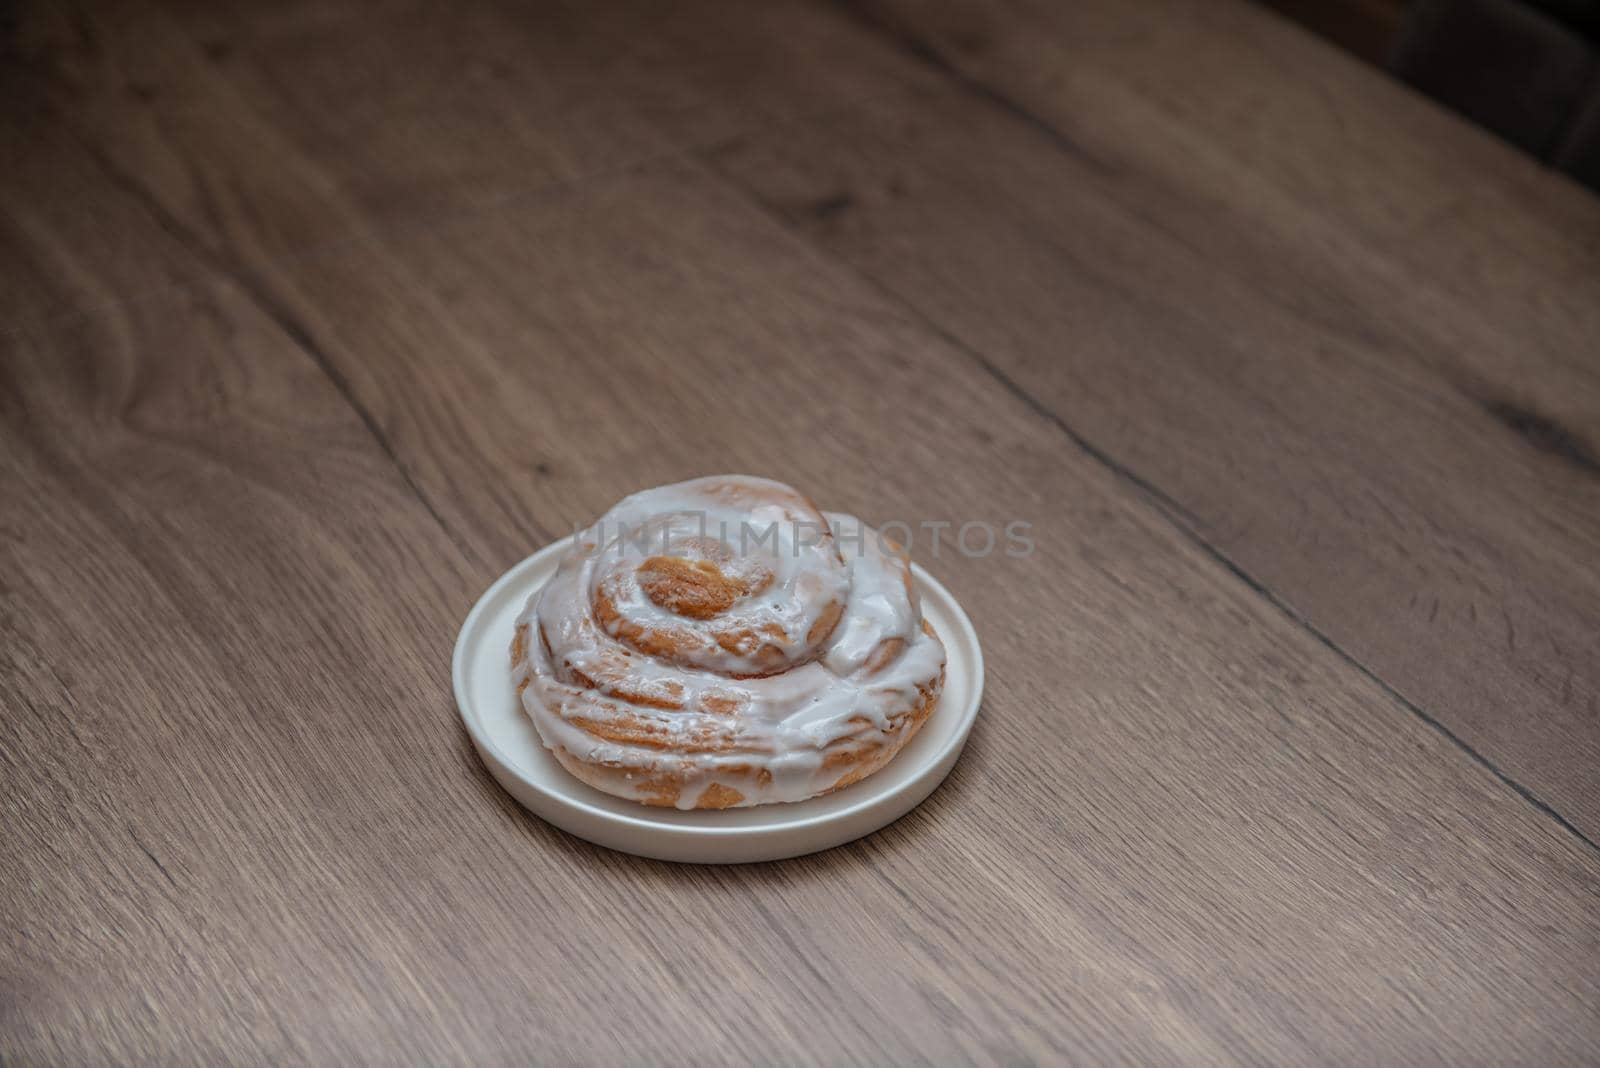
{"points": [[721, 643]]}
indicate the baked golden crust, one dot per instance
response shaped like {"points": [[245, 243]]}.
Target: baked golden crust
{"points": [[720, 786], [670, 667]]}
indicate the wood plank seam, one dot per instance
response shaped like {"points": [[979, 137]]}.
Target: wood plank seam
{"points": [[1193, 535], [1180, 518]]}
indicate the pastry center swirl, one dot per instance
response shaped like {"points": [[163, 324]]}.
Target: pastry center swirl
{"points": [[696, 588], [757, 597]]}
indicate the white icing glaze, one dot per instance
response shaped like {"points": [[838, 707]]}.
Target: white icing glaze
{"points": [[620, 676]]}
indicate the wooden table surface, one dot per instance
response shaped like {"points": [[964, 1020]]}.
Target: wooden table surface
{"points": [[317, 316]]}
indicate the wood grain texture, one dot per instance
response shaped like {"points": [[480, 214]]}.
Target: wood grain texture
{"points": [[274, 413], [1220, 281], [1361, 368]]}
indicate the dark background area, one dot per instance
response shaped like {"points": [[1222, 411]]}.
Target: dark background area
{"points": [[1526, 69]]}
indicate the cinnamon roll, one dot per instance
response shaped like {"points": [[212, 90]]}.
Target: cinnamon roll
{"points": [[720, 643]]}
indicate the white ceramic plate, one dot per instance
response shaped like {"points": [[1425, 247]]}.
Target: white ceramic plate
{"points": [[511, 749]]}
